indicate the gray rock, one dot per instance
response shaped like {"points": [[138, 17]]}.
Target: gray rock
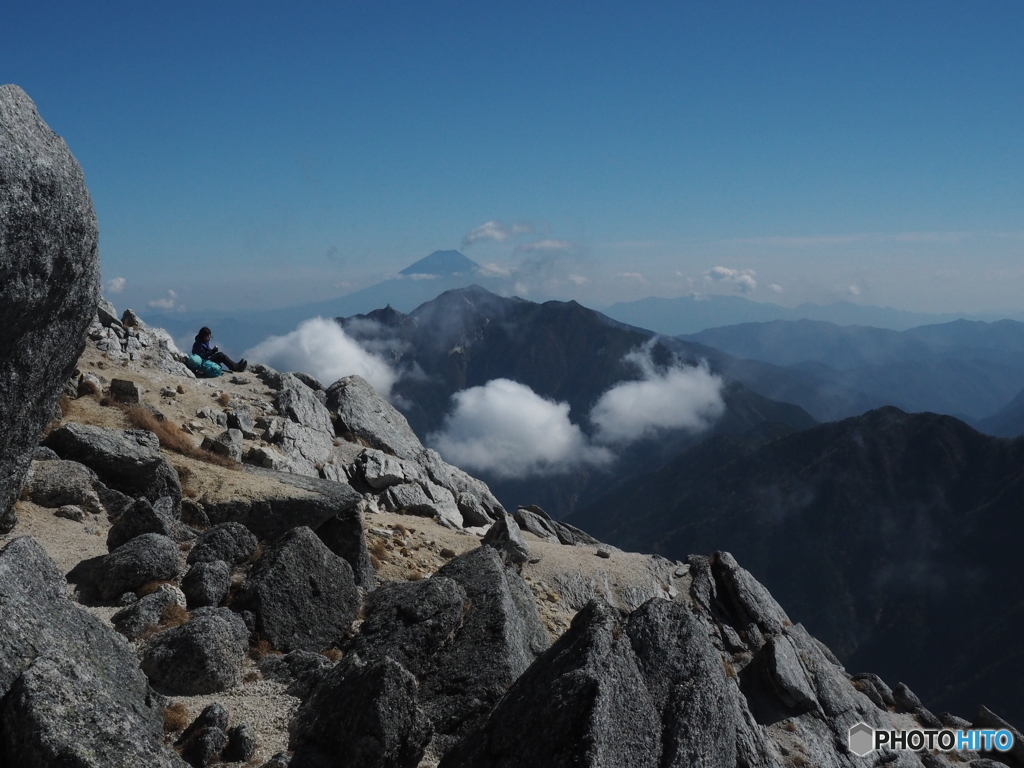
{"points": [[142, 517], [499, 637], [905, 698], [344, 535], [125, 460], [147, 612], [271, 516], [56, 483], [301, 671], [750, 603], [583, 703], [231, 542], [113, 501], [41, 453], [410, 499], [507, 539], [228, 444], [205, 747], [204, 739], [241, 744], [310, 381], [242, 420], [146, 558], [411, 622], [788, 674], [81, 699], [218, 417], [303, 595], [297, 402], [474, 494], [202, 656], [537, 523], [986, 719], [61, 712], [280, 760], [71, 512], [363, 714], [89, 384], [49, 281], [363, 414], [687, 683], [125, 391], [571, 536], [130, 320], [206, 583], [106, 314], [381, 470]]}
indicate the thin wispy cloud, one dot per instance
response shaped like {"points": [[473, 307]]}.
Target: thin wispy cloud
{"points": [[115, 286], [819, 241], [548, 244], [635, 276]]}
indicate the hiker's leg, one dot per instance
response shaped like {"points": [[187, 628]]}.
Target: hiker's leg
{"points": [[220, 357]]}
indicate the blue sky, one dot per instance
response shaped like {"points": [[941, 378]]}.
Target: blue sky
{"points": [[273, 153]]}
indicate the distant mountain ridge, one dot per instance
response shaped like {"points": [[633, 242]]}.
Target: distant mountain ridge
{"points": [[968, 369], [561, 350], [694, 313]]}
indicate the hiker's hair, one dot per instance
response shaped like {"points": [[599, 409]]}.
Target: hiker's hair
{"points": [[205, 331]]}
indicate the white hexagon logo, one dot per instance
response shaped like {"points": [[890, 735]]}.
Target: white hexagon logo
{"points": [[862, 739]]}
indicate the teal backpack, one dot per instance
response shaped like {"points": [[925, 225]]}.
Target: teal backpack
{"points": [[203, 369]]}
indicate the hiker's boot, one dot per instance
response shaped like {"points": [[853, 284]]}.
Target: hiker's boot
{"points": [[242, 365]]}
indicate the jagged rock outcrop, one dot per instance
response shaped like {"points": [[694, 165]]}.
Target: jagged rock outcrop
{"points": [[71, 687], [465, 634], [343, 534], [126, 460], [49, 281], [363, 414]]}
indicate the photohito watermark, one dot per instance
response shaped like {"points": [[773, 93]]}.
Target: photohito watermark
{"points": [[864, 739]]}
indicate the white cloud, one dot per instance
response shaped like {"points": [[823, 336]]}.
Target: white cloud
{"points": [[115, 286], [548, 244], [167, 303], [493, 270], [321, 348], [677, 398], [495, 230], [578, 279], [508, 430], [854, 290], [775, 287], [743, 279], [631, 276]]}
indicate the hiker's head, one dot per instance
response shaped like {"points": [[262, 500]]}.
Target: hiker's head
{"points": [[205, 334]]}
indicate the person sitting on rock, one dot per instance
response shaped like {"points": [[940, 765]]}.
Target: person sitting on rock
{"points": [[204, 350]]}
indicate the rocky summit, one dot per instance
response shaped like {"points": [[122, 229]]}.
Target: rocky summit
{"points": [[263, 570]]}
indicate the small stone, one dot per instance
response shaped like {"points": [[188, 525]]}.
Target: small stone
{"points": [[168, 392], [125, 391], [71, 512], [602, 552], [181, 389]]}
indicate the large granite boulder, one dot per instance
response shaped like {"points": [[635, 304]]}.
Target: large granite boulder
{"points": [[49, 281], [303, 595], [363, 414], [72, 691], [204, 655], [127, 460]]}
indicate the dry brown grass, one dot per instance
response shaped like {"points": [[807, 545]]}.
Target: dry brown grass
{"points": [[173, 439], [64, 402], [447, 553], [379, 550], [260, 648], [730, 670], [790, 726], [799, 761], [332, 654], [87, 387], [224, 399], [176, 717], [173, 616]]}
